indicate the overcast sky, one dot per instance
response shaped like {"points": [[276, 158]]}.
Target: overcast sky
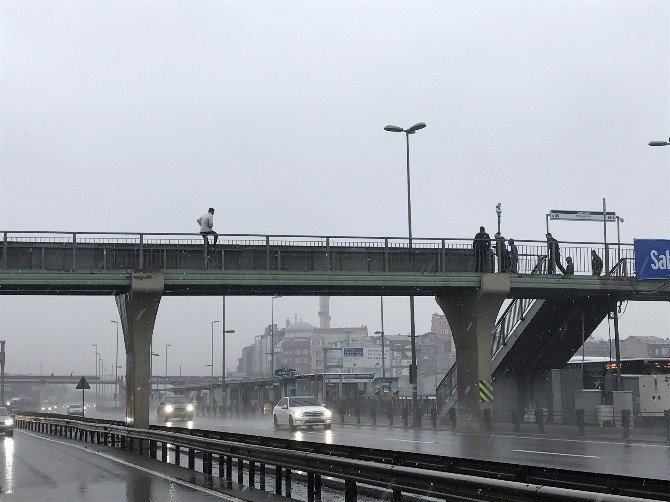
{"points": [[138, 116]]}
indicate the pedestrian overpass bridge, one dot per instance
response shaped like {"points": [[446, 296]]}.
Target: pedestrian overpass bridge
{"points": [[138, 269]]}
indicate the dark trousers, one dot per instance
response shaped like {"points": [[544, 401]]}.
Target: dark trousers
{"points": [[553, 263], [205, 235], [481, 257]]}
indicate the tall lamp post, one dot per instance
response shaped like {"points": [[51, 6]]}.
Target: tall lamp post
{"points": [[382, 334], [116, 366], [272, 337], [413, 369], [166, 372], [212, 365], [96, 369]]}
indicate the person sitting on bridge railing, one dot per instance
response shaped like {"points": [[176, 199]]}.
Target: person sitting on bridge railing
{"points": [[481, 247], [596, 263], [206, 222]]}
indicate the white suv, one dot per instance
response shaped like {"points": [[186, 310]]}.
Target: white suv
{"points": [[296, 411]]}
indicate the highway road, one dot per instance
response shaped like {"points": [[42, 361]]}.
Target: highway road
{"points": [[34, 467], [650, 460]]}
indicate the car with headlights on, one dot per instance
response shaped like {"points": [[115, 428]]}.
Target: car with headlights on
{"points": [[175, 408], [6, 422], [75, 410], [301, 411]]}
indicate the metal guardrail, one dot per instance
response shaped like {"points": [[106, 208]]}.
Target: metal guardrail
{"points": [[400, 472], [154, 251]]}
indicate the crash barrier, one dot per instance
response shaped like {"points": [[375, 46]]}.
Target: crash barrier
{"points": [[399, 472]]}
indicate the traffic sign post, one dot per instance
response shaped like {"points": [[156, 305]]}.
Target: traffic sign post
{"points": [[83, 385]]}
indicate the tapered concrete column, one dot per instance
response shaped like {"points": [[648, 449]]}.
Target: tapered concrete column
{"points": [[138, 311], [472, 316]]}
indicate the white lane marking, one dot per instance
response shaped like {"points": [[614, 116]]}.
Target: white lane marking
{"points": [[409, 440], [143, 469], [554, 453], [564, 440]]}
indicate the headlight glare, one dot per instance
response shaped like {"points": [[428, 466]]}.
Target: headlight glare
{"points": [[9, 421], [169, 408], [298, 414], [189, 407], [327, 414]]}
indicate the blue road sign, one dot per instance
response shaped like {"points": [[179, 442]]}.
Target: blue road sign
{"points": [[652, 258], [285, 372]]}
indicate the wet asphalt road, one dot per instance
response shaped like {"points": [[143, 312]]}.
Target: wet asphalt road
{"points": [[649, 460], [34, 468]]}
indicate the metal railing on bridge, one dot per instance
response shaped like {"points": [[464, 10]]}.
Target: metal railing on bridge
{"points": [[67, 251]]}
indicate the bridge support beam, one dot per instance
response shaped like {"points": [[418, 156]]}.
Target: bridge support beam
{"points": [[138, 310], [472, 316]]}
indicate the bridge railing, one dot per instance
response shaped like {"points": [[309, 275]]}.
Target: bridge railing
{"points": [[28, 250]]}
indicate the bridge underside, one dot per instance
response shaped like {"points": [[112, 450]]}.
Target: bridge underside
{"points": [[258, 283]]}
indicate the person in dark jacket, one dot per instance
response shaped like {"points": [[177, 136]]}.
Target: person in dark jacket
{"points": [[570, 268], [554, 255], [502, 253], [481, 247], [596, 263], [514, 257]]}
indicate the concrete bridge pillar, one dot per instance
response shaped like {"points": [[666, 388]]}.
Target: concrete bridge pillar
{"points": [[138, 310], [472, 316]]}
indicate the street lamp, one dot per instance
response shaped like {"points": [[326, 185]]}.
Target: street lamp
{"points": [[272, 337], [499, 213], [413, 369], [223, 364], [619, 220], [212, 365], [166, 373], [498, 239], [96, 369], [116, 365], [151, 372], [659, 143]]}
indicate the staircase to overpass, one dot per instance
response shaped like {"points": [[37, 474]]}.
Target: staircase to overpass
{"points": [[531, 336]]}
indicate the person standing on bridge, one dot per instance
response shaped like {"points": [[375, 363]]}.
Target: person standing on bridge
{"points": [[206, 222], [481, 247], [554, 252], [570, 268], [596, 263]]}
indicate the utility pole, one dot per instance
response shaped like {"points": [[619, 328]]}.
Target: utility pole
{"points": [[2, 372]]}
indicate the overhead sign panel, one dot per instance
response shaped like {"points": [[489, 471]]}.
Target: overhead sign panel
{"points": [[363, 357], [561, 214], [652, 258]]}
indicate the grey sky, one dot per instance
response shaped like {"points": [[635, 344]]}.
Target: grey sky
{"points": [[137, 116]]}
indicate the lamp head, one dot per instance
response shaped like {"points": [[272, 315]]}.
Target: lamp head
{"points": [[392, 128], [416, 127]]}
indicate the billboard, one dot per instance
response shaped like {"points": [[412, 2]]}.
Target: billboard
{"points": [[652, 258]]}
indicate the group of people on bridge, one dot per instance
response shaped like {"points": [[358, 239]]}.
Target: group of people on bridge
{"points": [[486, 255]]}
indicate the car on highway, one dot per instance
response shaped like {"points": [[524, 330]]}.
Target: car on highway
{"points": [[6, 422], [75, 410], [175, 408], [301, 411]]}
